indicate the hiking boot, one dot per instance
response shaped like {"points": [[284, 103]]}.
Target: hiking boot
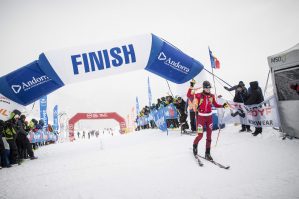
{"points": [[256, 133], [249, 130], [194, 149], [208, 155], [33, 158], [242, 130]]}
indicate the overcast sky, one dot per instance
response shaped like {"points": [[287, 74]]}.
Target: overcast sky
{"points": [[241, 35]]}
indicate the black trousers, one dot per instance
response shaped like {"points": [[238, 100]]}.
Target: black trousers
{"points": [[24, 146], [14, 157], [193, 120], [245, 127], [258, 129]]}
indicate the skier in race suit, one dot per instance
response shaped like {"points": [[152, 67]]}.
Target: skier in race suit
{"points": [[204, 117]]}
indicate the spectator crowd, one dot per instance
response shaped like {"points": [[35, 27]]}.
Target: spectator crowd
{"points": [[15, 145]]}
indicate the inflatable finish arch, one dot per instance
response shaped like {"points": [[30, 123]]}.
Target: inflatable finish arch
{"points": [[54, 69], [93, 116]]}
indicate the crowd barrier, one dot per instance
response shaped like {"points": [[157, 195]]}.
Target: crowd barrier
{"points": [[42, 136], [169, 112]]}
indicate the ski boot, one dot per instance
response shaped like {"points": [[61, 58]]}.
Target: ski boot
{"points": [[33, 158], [208, 155], [194, 149]]}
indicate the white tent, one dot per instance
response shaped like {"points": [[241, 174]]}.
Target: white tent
{"points": [[284, 68]]}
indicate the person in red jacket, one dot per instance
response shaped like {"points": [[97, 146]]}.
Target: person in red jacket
{"points": [[204, 117]]}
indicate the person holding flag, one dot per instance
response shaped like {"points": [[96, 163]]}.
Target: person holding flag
{"points": [[204, 115]]}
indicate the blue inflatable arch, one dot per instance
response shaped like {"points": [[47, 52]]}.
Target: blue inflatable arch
{"points": [[54, 69]]}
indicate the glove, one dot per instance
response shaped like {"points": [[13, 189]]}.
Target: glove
{"points": [[225, 105], [192, 83]]}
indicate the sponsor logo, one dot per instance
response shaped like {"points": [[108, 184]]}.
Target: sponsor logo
{"points": [[173, 64], [123, 124], [3, 112], [89, 115], [35, 81], [71, 127], [162, 56], [43, 100], [16, 88], [4, 100], [279, 59], [103, 115], [103, 59]]}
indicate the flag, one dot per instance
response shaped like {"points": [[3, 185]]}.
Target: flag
{"points": [[137, 106], [149, 92], [214, 61], [43, 111], [55, 119]]}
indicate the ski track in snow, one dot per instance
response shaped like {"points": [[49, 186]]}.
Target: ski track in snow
{"points": [[149, 165]]}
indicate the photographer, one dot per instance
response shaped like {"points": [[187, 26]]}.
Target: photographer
{"points": [[241, 96]]}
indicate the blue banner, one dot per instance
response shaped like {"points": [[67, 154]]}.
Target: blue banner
{"points": [[43, 111], [160, 119], [42, 136], [170, 112], [29, 83], [55, 119], [170, 63], [56, 68], [149, 92]]}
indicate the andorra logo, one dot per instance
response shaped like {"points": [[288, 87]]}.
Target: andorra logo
{"points": [[32, 83], [162, 56], [177, 65], [16, 88]]}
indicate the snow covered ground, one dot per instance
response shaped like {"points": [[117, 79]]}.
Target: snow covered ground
{"points": [[149, 165]]}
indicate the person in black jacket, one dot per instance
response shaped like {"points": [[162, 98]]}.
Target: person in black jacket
{"points": [[23, 143], [241, 96], [2, 147], [181, 107], [10, 133], [255, 97]]}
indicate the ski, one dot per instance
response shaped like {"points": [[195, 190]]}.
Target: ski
{"points": [[214, 162], [198, 160], [191, 133]]}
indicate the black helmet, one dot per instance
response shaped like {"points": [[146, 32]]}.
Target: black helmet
{"points": [[206, 84]]}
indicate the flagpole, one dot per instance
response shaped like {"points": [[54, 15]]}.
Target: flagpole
{"points": [[214, 81], [212, 66]]}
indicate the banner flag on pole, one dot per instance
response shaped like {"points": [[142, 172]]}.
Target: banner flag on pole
{"points": [[149, 92], [137, 106], [55, 118], [43, 110]]}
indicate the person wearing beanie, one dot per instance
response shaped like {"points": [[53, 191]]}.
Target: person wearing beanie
{"points": [[204, 116], [255, 97], [241, 96]]}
